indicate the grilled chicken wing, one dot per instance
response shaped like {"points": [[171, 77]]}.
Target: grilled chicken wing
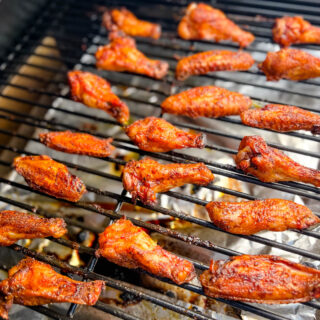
{"points": [[261, 279], [51, 177], [292, 64], [95, 92], [79, 143], [215, 60], [146, 177], [294, 30], [282, 118], [270, 164], [203, 22], [122, 55], [208, 101], [131, 247], [250, 217], [34, 283], [124, 20]]}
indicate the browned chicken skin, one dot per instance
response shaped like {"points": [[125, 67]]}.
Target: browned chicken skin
{"points": [[282, 118], [294, 30], [292, 64], [146, 177], [261, 279], [249, 217], [51, 177], [270, 164], [95, 92], [202, 22], [207, 101], [131, 247], [215, 60], [158, 135], [33, 283]]}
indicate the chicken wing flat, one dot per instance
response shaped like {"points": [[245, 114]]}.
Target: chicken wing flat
{"points": [[124, 20], [292, 64], [207, 101], [215, 60], [131, 247], [294, 30], [282, 118], [122, 55], [249, 217], [51, 177], [78, 143], [34, 283], [146, 177], [261, 279], [15, 225], [95, 92], [158, 135], [270, 164], [202, 22]]}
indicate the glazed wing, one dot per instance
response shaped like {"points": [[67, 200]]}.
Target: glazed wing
{"points": [[34, 283], [51, 177], [208, 101], [95, 92], [261, 279], [16, 225], [282, 118], [122, 55], [250, 217], [124, 20], [215, 60], [146, 177], [79, 143], [270, 164], [202, 22], [292, 64], [294, 30], [131, 247]]}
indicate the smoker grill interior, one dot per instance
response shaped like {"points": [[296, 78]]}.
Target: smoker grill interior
{"points": [[75, 27]]}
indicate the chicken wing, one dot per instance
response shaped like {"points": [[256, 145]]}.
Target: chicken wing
{"points": [[270, 164], [215, 60], [202, 22], [250, 217], [261, 279], [146, 177], [124, 20], [34, 283], [294, 30], [51, 177], [95, 92], [122, 55], [282, 118], [208, 101], [292, 64], [131, 247]]}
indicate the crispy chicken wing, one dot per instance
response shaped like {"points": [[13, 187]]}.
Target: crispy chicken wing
{"points": [[146, 177], [203, 22], [95, 92], [294, 30], [249, 217], [270, 164], [34, 283], [51, 177], [131, 247], [215, 60], [282, 118], [292, 64], [261, 279], [208, 101]]}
